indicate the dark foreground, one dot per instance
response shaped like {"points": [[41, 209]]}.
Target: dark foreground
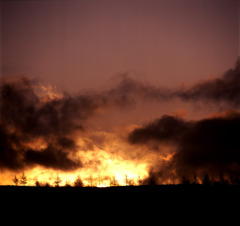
{"points": [[131, 189], [164, 196]]}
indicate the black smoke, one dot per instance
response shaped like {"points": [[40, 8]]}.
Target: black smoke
{"points": [[25, 117], [209, 146], [165, 129], [224, 89]]}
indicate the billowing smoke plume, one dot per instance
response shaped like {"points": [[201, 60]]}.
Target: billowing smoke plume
{"points": [[25, 118], [209, 145], [224, 89], [40, 130]]}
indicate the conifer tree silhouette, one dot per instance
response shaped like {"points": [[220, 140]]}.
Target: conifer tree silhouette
{"points": [[23, 179], [78, 182], [57, 181], [15, 180], [206, 180]]}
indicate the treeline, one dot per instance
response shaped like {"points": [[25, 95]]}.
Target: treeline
{"points": [[88, 182], [207, 180], [23, 181], [112, 181]]}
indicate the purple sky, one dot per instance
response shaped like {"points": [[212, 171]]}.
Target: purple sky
{"points": [[83, 44]]}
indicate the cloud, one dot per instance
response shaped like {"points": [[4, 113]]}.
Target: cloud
{"points": [[60, 121], [52, 157], [131, 90], [223, 89], [57, 120], [166, 129], [10, 158], [26, 117], [208, 145]]}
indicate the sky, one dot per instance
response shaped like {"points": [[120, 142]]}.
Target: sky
{"points": [[84, 44], [131, 89]]}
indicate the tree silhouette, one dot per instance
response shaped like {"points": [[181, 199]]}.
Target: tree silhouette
{"points": [[222, 179], [15, 180], [78, 182], [185, 180], [114, 181], [130, 182], [206, 180], [237, 180], [126, 179], [67, 184], [139, 180], [195, 179], [100, 180], [23, 179], [57, 181], [90, 181], [47, 185], [37, 183]]}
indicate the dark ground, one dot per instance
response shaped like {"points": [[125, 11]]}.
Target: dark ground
{"points": [[144, 188], [198, 199]]}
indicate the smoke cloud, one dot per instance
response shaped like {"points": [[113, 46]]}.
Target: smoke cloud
{"points": [[208, 145], [43, 130], [224, 89], [26, 117]]}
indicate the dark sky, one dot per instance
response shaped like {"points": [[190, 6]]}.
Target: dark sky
{"points": [[83, 44]]}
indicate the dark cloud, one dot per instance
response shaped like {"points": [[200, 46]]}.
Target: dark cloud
{"points": [[52, 157], [22, 108], [165, 129], [211, 145], [225, 89], [10, 150], [205, 146], [25, 117], [16, 155], [129, 90]]}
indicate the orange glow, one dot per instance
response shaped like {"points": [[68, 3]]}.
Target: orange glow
{"points": [[224, 114], [111, 168], [113, 171], [48, 93], [107, 159]]}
